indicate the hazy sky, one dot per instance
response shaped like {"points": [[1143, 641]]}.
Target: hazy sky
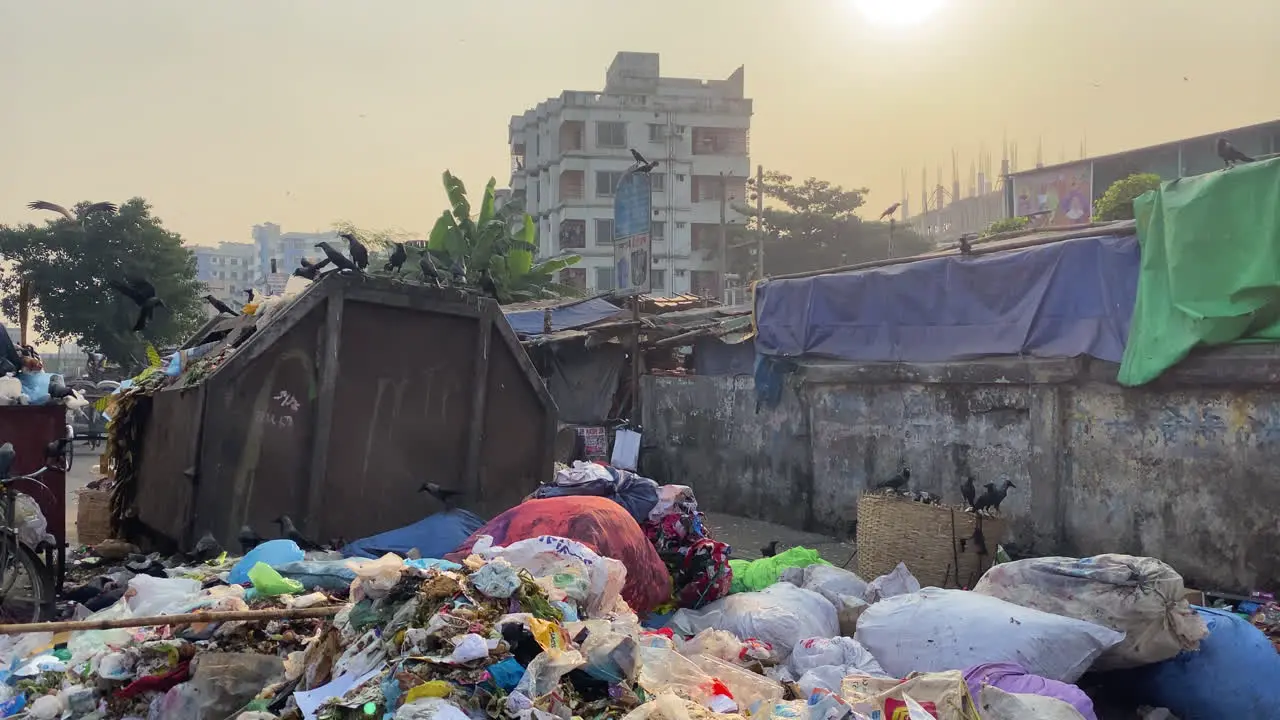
{"points": [[229, 113]]}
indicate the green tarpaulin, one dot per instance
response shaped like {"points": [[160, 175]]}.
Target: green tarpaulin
{"points": [[1210, 267]]}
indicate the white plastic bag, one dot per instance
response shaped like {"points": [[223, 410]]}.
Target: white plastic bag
{"points": [[375, 578], [899, 581], [996, 704], [1139, 596], [149, 596], [716, 643], [781, 615], [432, 708], [845, 653], [545, 670], [935, 630], [547, 554], [832, 582], [33, 528]]}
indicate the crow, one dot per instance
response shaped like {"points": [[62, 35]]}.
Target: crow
{"points": [[340, 261], [1230, 154], [429, 270], [459, 272], [986, 499], [967, 491], [58, 389], [645, 165], [889, 211], [769, 550], [1000, 494], [207, 548], [290, 531], [142, 293], [220, 306], [488, 285], [359, 253], [249, 294], [964, 243], [897, 482], [398, 256], [273, 266], [308, 270], [249, 539], [444, 495], [101, 207]]}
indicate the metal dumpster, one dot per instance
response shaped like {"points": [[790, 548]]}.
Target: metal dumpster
{"points": [[338, 408]]}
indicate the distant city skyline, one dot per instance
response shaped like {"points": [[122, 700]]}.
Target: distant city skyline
{"points": [[341, 111]]}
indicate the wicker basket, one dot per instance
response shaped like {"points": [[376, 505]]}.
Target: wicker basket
{"points": [[934, 541], [93, 517]]}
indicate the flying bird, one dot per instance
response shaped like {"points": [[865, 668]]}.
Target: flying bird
{"points": [[359, 253], [143, 294], [645, 165], [101, 207], [968, 492], [769, 550], [1230, 154], [444, 495], [398, 256], [340, 261], [889, 211], [897, 482], [488, 285], [249, 539], [309, 270], [221, 307], [290, 531], [428, 267]]}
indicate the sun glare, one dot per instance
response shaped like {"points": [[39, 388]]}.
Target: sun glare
{"points": [[897, 12]]}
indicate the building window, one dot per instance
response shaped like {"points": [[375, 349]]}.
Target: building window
{"points": [[658, 183], [604, 279], [611, 134], [573, 234], [658, 279], [607, 182], [658, 231], [575, 278], [679, 178], [604, 231], [657, 132]]}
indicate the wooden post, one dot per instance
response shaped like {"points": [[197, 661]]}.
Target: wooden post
{"points": [[183, 619]]}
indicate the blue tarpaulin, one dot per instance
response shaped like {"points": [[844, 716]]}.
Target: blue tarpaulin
{"points": [[432, 536], [1064, 299], [567, 317]]}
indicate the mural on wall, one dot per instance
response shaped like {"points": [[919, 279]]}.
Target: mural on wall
{"points": [[1065, 193]]}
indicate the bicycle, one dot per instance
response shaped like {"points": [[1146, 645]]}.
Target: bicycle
{"points": [[26, 583]]}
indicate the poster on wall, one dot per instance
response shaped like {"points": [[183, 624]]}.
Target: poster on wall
{"points": [[632, 220], [1064, 193]]}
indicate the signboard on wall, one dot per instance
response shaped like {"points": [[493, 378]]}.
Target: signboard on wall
{"points": [[1064, 193], [632, 222]]}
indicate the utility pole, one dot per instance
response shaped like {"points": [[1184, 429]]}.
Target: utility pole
{"points": [[759, 222], [724, 240]]}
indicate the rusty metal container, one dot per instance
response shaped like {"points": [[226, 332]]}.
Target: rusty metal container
{"points": [[31, 428], [339, 407]]}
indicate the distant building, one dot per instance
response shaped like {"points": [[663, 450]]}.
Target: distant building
{"points": [[569, 152], [287, 248], [1065, 192], [226, 270]]}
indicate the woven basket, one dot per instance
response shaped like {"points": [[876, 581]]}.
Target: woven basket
{"points": [[934, 541], [93, 517]]}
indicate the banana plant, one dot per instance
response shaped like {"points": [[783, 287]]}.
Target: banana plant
{"points": [[503, 240]]}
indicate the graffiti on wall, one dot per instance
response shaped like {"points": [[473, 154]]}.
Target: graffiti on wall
{"points": [[1065, 193]]}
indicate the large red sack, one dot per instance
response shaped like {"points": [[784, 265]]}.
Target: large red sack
{"points": [[600, 524]]}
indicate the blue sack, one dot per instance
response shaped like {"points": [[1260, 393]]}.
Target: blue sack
{"points": [[271, 552], [1235, 674], [433, 536]]}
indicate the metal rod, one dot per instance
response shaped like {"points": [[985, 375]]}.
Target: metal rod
{"points": [[182, 619], [635, 361]]}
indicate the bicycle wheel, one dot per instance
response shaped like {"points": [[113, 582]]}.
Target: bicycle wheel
{"points": [[25, 587]]}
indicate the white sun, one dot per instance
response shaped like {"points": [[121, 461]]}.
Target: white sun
{"points": [[897, 12]]}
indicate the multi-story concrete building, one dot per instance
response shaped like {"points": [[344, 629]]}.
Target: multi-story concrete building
{"points": [[569, 152], [227, 270], [288, 248]]}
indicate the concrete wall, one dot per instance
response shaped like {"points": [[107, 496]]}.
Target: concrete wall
{"points": [[1185, 469]]}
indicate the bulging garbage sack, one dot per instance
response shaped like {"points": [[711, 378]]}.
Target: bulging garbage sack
{"points": [[780, 615], [934, 630], [1012, 678], [1234, 674], [996, 704], [1138, 596], [898, 581], [843, 652], [598, 523], [941, 695], [832, 582]]}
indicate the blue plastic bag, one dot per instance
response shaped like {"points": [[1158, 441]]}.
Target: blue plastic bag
{"points": [[35, 385], [1235, 674], [506, 674], [271, 552], [322, 574]]}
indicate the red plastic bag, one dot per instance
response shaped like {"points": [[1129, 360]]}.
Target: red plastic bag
{"points": [[600, 524]]}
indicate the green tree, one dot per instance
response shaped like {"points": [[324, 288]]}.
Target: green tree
{"points": [[1117, 202], [503, 240], [69, 264], [813, 225]]}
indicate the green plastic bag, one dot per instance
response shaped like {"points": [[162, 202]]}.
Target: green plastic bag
{"points": [[270, 583], [752, 575]]}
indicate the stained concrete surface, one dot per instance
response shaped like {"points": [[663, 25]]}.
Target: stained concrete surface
{"points": [[747, 537]]}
